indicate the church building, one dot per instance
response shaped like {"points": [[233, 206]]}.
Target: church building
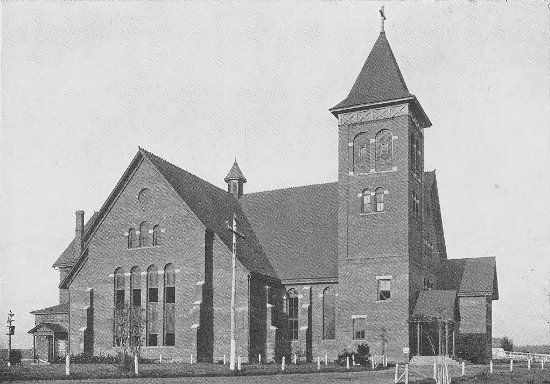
{"points": [[319, 268]]}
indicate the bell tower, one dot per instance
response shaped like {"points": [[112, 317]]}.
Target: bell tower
{"points": [[235, 181], [380, 172]]}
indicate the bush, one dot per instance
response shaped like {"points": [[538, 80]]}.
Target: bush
{"points": [[15, 356], [361, 357]]}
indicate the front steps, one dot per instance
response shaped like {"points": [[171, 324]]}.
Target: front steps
{"points": [[430, 360]]}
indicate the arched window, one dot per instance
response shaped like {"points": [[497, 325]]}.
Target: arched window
{"points": [[366, 204], [156, 235], [361, 153], [144, 239], [292, 311], [152, 306], [135, 286], [379, 199], [169, 305], [119, 306], [384, 149], [329, 313], [132, 243]]}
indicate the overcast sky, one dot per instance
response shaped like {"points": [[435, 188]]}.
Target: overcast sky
{"points": [[85, 83]]}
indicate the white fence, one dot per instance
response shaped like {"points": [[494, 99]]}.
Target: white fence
{"points": [[527, 356]]}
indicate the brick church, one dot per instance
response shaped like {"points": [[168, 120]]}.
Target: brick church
{"points": [[321, 268]]}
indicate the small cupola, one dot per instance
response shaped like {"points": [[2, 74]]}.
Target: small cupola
{"points": [[235, 180]]}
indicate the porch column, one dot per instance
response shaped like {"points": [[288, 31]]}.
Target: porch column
{"points": [[418, 338], [447, 338], [454, 353], [440, 334], [34, 347]]}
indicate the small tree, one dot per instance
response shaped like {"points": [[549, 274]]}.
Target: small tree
{"points": [[129, 327], [507, 344]]}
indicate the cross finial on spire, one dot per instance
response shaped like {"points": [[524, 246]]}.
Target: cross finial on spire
{"points": [[382, 18]]}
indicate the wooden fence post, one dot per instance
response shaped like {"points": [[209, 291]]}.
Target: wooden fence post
{"points": [[511, 365], [396, 373], [318, 363], [347, 362], [326, 360], [463, 368], [435, 370], [239, 363], [406, 373], [136, 365], [283, 364], [67, 365], [528, 364], [491, 366]]}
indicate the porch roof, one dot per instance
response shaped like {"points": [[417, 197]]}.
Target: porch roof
{"points": [[435, 305], [48, 328]]}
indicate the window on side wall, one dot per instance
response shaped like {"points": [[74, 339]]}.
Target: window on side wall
{"points": [[384, 288], [293, 311], [359, 327]]}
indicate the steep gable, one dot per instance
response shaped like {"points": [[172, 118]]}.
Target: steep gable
{"points": [[470, 276]]}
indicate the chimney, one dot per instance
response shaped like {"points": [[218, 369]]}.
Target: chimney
{"points": [[78, 233]]}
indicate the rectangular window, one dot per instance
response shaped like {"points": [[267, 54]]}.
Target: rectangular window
{"points": [[153, 295], [359, 326], [170, 339], [152, 340], [170, 294], [119, 299], [136, 297], [384, 289]]}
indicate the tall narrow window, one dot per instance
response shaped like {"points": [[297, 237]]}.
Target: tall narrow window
{"points": [[292, 312], [132, 243], [384, 286], [366, 205], [329, 313], [384, 150], [359, 327], [418, 157], [361, 150], [119, 306], [156, 235], [169, 305], [135, 286], [413, 153], [379, 199], [144, 239], [152, 327]]}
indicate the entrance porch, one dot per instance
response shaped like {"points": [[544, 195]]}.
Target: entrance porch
{"points": [[49, 341]]}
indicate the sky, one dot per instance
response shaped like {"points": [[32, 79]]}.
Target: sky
{"points": [[83, 84]]}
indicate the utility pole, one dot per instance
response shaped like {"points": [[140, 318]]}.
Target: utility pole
{"points": [[11, 331], [233, 229]]}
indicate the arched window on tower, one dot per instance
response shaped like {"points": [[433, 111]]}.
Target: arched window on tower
{"points": [[132, 243], [169, 305], [119, 306], [135, 286], [361, 153], [156, 235], [329, 313], [292, 311], [384, 150], [144, 239], [152, 322], [379, 199], [366, 203]]}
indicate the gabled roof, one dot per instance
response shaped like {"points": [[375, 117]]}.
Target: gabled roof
{"points": [[212, 206], [379, 80], [235, 173], [68, 258], [470, 276], [61, 308], [436, 304], [298, 229], [48, 327]]}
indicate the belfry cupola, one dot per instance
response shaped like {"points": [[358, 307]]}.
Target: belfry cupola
{"points": [[235, 181], [380, 83]]}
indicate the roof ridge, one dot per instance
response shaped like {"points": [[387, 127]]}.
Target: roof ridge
{"points": [[286, 188], [148, 153]]}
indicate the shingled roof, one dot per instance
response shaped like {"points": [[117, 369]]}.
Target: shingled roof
{"points": [[214, 206], [68, 258], [48, 327], [60, 308], [235, 173], [470, 276], [298, 229], [379, 80]]}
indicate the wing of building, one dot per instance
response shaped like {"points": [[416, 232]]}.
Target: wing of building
{"points": [[319, 268]]}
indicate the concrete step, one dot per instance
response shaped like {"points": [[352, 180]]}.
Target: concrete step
{"points": [[430, 360]]}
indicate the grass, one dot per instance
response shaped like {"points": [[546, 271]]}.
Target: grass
{"points": [[109, 371]]}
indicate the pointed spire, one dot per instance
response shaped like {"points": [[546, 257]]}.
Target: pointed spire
{"points": [[235, 173], [379, 80]]}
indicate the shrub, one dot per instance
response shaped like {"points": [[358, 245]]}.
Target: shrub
{"points": [[361, 357], [15, 356]]}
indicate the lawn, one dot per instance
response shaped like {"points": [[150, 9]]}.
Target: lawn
{"points": [[104, 371]]}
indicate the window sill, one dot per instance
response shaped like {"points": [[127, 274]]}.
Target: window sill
{"points": [[157, 346], [371, 213], [353, 173], [383, 301], [151, 246]]}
